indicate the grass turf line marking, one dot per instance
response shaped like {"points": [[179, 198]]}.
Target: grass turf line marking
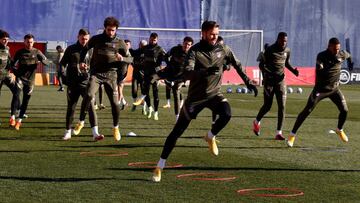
{"points": [[104, 153], [153, 165], [207, 176], [295, 192]]}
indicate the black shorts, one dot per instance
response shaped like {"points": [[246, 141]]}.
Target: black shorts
{"points": [[192, 109]]}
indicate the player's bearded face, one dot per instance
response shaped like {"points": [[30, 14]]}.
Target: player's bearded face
{"points": [[29, 43], [83, 39], [334, 48], [282, 42], [110, 31], [186, 46], [153, 40], [211, 35]]}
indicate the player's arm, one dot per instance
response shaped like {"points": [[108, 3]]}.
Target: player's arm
{"points": [[189, 64], [164, 73], [319, 66], [9, 62], [9, 68], [319, 63], [84, 51], [350, 63], [168, 56], [261, 60], [42, 58], [66, 58], [161, 57], [125, 56], [13, 67], [231, 59], [295, 71]]}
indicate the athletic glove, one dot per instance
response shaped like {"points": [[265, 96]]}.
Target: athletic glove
{"points": [[296, 72], [252, 88], [351, 66]]}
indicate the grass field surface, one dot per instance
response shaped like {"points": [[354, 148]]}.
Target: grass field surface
{"points": [[37, 166]]}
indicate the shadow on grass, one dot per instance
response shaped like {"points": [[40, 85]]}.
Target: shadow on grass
{"points": [[32, 151], [40, 138], [58, 180]]}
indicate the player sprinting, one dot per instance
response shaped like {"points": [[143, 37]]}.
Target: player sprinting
{"points": [[6, 76], [27, 59], [272, 66], [154, 55], [328, 67], [109, 53], [204, 69]]}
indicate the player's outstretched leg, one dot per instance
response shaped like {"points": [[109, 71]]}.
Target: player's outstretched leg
{"points": [[169, 145]]}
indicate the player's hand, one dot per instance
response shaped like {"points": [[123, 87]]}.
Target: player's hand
{"points": [[296, 72], [12, 78], [119, 57], [83, 66], [351, 66], [253, 88]]}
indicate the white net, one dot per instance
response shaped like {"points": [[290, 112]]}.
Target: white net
{"points": [[246, 44]]}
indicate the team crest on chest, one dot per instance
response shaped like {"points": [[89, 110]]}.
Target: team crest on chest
{"points": [[218, 54]]}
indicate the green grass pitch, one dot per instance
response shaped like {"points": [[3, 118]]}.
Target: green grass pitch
{"points": [[37, 166]]}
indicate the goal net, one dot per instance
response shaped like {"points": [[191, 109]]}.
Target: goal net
{"points": [[246, 44]]}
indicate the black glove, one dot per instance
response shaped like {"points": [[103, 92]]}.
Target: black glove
{"points": [[252, 88], [350, 66], [226, 67], [296, 72]]}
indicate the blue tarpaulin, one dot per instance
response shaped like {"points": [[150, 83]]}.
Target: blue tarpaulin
{"points": [[309, 23], [60, 20]]}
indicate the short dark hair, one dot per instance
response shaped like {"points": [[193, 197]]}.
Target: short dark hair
{"points": [[83, 31], [334, 41], [208, 25], [3, 34], [188, 39], [127, 41], [220, 39], [29, 36], [154, 35], [58, 47], [281, 35], [111, 21]]}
